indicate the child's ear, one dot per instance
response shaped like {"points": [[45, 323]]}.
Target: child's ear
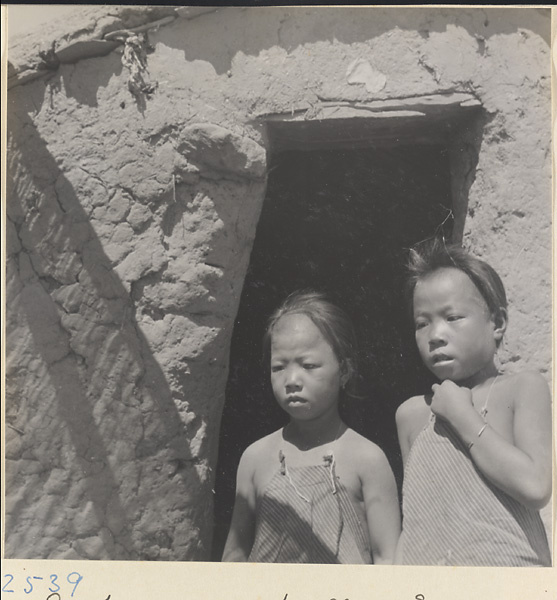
{"points": [[343, 379], [345, 370], [500, 320]]}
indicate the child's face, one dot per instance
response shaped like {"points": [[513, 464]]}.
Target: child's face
{"points": [[455, 333], [305, 373]]}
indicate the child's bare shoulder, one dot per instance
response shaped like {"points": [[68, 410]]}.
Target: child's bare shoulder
{"points": [[525, 378], [411, 417], [529, 386], [262, 447], [360, 448], [261, 459], [412, 409], [367, 463]]}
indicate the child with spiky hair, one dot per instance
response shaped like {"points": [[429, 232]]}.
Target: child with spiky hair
{"points": [[477, 448]]}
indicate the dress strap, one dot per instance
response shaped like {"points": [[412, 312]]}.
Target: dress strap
{"points": [[284, 471], [483, 411], [330, 462], [282, 460]]}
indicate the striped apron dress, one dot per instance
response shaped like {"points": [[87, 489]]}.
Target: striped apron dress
{"points": [[452, 515], [306, 516]]}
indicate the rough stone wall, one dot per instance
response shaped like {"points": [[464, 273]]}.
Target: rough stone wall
{"points": [[136, 179]]}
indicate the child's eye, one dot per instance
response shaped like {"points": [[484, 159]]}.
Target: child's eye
{"points": [[310, 366], [276, 368], [420, 325], [453, 318]]}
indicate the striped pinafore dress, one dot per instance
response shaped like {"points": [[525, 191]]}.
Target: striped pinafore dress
{"points": [[305, 515], [452, 515]]}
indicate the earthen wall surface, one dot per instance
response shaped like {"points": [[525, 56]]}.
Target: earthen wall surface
{"points": [[136, 178]]}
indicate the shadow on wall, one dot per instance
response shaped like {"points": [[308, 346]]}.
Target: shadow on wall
{"points": [[249, 31], [77, 84], [95, 443]]}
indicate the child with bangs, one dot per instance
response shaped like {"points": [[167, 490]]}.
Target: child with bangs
{"points": [[314, 491]]}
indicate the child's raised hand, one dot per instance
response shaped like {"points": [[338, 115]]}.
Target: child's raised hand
{"points": [[450, 401]]}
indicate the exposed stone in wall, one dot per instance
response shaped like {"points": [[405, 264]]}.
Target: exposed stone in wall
{"points": [[130, 226]]}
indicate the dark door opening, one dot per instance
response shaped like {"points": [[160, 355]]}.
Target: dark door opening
{"points": [[340, 221]]}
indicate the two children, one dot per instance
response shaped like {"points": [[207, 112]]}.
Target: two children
{"points": [[476, 450]]}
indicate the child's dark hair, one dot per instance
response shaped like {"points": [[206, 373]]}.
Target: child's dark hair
{"points": [[427, 257], [333, 323]]}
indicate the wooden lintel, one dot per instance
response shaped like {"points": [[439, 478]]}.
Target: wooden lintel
{"points": [[340, 109]]}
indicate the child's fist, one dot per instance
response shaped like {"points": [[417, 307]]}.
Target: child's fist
{"points": [[450, 401]]}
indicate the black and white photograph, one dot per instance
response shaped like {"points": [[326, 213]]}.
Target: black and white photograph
{"points": [[278, 288]]}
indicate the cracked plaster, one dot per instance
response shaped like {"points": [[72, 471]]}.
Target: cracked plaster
{"points": [[130, 225]]}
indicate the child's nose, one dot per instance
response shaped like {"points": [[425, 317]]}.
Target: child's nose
{"points": [[292, 381], [437, 334]]}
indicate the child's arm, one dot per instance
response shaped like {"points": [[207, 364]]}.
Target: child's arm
{"points": [[381, 505], [521, 468], [240, 537]]}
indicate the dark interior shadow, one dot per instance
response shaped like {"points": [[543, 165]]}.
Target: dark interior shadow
{"points": [[339, 221]]}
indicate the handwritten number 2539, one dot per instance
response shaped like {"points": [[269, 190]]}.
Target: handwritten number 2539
{"points": [[73, 578]]}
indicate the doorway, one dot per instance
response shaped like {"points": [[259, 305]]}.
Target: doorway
{"points": [[340, 221]]}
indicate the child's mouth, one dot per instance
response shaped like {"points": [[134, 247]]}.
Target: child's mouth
{"points": [[441, 358], [296, 400]]}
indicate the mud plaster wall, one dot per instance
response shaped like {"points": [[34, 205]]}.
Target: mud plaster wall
{"points": [[130, 220]]}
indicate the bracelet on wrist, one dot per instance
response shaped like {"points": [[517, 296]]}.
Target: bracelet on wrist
{"points": [[477, 436]]}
